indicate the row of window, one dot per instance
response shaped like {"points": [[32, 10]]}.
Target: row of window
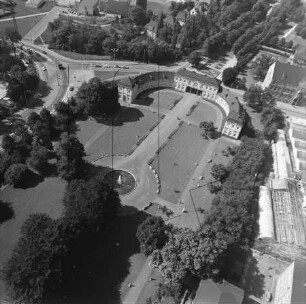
{"points": [[230, 132], [196, 85]]}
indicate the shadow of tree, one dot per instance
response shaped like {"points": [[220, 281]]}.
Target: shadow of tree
{"points": [[126, 114], [100, 269], [144, 101], [42, 91], [6, 212], [31, 180]]}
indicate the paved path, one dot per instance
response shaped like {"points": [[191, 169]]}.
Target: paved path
{"points": [[289, 31], [42, 24], [22, 17], [142, 278]]}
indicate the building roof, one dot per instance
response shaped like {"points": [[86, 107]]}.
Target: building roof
{"points": [[152, 26], [287, 74], [120, 8], [236, 113], [88, 3], [210, 292], [299, 282], [198, 77], [266, 226], [169, 21], [144, 78], [301, 52], [182, 16], [279, 184], [299, 134]]}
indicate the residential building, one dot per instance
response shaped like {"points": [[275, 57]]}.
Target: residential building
{"points": [[88, 7], [152, 29], [116, 8], [169, 21], [142, 4], [291, 284], [300, 55], [297, 137], [200, 7], [235, 114], [285, 81], [35, 3], [210, 292], [181, 17], [187, 81]]}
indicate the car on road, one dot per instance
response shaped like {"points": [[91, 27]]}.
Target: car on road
{"points": [[44, 52], [210, 160], [61, 67], [106, 66], [71, 88], [44, 69], [125, 67], [116, 66]]}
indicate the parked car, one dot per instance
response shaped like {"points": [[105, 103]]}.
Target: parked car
{"points": [[71, 88], [43, 68], [98, 66]]}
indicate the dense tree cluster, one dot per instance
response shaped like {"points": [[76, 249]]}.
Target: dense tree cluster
{"points": [[301, 29], [229, 76], [152, 234], [261, 65], [46, 250], [95, 97], [258, 99], [166, 294], [230, 221], [21, 82], [272, 119], [94, 40], [234, 210], [207, 129]]}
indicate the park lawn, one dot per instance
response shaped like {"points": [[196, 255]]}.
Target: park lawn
{"points": [[24, 25], [130, 123], [44, 197], [204, 112], [166, 98], [201, 196], [78, 56], [177, 161]]}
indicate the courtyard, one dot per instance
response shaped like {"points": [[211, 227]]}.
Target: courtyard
{"points": [[177, 161], [130, 126]]}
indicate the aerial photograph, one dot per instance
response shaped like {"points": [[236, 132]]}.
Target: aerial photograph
{"points": [[152, 151]]}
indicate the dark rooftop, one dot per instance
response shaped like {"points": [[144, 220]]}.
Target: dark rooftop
{"points": [[287, 74], [210, 292], [299, 282], [199, 77]]}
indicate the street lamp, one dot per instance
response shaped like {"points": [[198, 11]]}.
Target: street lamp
{"points": [[114, 50], [112, 177]]}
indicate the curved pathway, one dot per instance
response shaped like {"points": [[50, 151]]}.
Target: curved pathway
{"points": [[145, 191]]}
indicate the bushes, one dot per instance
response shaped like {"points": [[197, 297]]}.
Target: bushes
{"points": [[16, 174]]}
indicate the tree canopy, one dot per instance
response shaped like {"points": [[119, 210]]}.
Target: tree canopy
{"points": [[152, 234]]}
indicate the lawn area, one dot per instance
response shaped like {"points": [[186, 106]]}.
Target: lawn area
{"points": [[177, 161], [201, 196], [44, 197], [166, 98], [203, 112], [24, 25], [129, 127], [78, 56]]}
